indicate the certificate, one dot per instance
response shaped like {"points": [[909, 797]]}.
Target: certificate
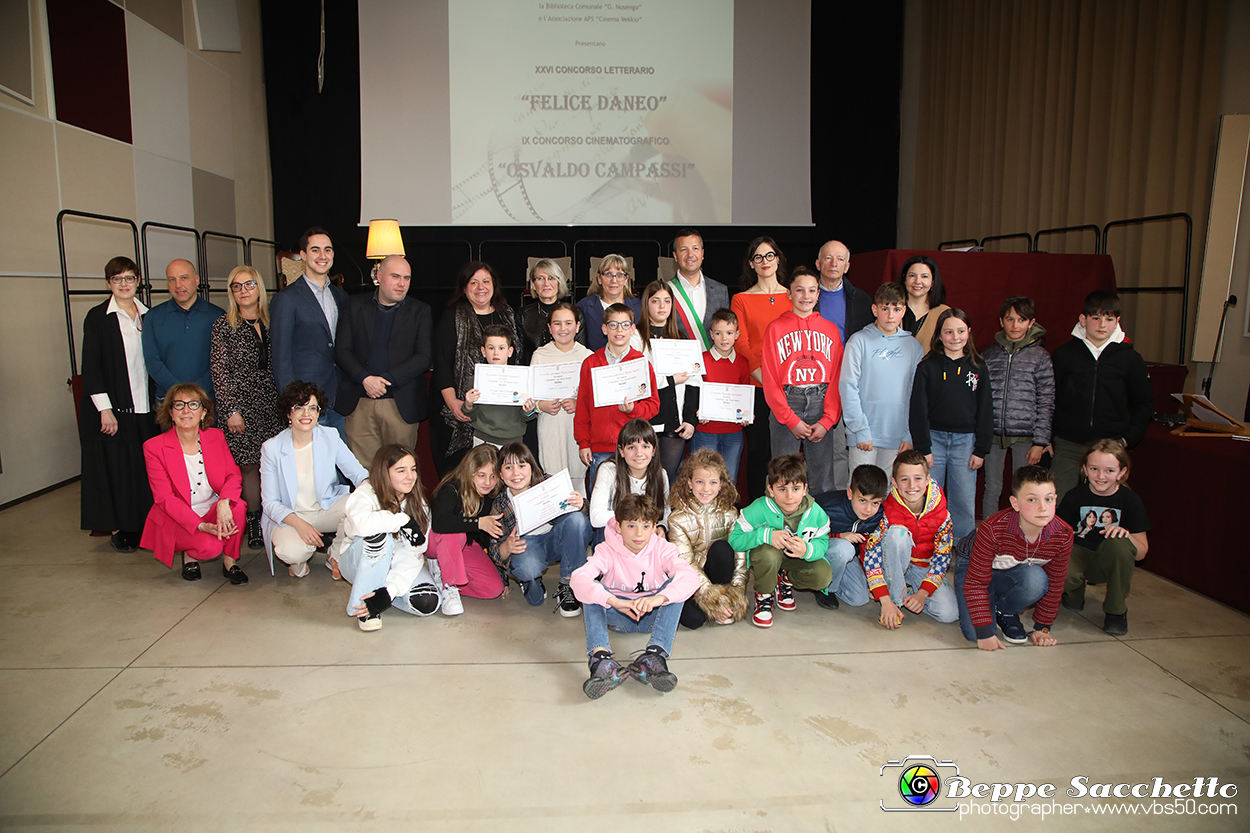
{"points": [[726, 403], [540, 504], [555, 381], [617, 383], [677, 355], [501, 384]]}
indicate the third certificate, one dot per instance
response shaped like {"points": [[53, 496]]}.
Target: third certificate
{"points": [[726, 403], [677, 355]]}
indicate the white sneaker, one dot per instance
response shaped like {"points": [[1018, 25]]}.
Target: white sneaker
{"points": [[370, 623], [451, 600], [298, 570]]}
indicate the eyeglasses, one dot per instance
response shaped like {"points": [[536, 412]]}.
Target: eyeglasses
{"points": [[306, 409], [766, 257], [615, 276], [186, 404], [124, 280], [619, 325], [237, 287]]}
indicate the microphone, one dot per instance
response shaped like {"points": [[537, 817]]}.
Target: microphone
{"points": [[1219, 336]]}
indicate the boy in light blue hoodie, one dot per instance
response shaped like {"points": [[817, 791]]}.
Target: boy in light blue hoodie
{"points": [[878, 367]]}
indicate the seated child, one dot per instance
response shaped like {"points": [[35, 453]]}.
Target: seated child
{"points": [[614, 586], [853, 515], [497, 425], [724, 365], [1105, 550], [634, 468], [1019, 558], [461, 528], [785, 535], [703, 501], [906, 556]]}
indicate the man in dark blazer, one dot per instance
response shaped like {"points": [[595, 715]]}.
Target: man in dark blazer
{"points": [[695, 297], [384, 348], [303, 319]]}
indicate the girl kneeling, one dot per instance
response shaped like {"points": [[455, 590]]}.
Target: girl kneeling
{"points": [[462, 527]]}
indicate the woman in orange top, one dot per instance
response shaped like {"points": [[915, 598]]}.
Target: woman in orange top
{"points": [[761, 299]]}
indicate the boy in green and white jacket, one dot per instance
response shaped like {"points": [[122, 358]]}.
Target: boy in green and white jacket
{"points": [[785, 536]]}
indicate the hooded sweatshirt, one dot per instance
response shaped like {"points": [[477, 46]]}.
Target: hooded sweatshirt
{"points": [[951, 395], [1101, 392], [875, 386], [801, 351], [615, 571]]}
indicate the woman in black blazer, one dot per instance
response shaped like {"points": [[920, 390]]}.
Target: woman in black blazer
{"points": [[115, 417]]}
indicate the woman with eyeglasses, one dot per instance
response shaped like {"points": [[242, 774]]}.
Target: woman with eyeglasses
{"points": [[548, 285], [761, 300], [115, 416], [299, 484], [610, 285], [196, 488], [238, 358]]}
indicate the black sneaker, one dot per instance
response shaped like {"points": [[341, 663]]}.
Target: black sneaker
{"points": [[1013, 631], [605, 674], [1116, 624], [567, 604], [785, 592], [650, 667], [826, 600]]}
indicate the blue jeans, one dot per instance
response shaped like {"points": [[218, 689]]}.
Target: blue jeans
{"points": [[808, 403], [661, 623], [951, 454], [367, 565], [1010, 591], [592, 471], [565, 543], [901, 577], [841, 553], [728, 446]]}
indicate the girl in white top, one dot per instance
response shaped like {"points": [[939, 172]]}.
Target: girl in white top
{"points": [[382, 539], [634, 468], [557, 449]]}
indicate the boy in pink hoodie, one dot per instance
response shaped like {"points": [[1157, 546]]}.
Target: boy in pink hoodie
{"points": [[634, 583]]}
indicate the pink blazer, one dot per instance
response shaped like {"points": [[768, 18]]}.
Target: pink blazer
{"points": [[171, 488]]}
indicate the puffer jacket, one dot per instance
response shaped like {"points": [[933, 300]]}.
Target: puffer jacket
{"points": [[694, 530], [1022, 380]]}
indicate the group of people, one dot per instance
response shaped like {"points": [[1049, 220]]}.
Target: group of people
{"points": [[871, 418]]}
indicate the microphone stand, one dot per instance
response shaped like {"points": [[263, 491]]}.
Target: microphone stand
{"points": [[1219, 336]]}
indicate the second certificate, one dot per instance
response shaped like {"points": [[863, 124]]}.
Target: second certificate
{"points": [[501, 384]]}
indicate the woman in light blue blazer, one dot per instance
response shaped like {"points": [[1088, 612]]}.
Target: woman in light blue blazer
{"points": [[300, 492]]}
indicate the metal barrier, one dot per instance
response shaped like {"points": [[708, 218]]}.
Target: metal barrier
{"points": [[248, 257], [1183, 288], [143, 234], [1028, 237], [204, 276], [1086, 227], [66, 291]]}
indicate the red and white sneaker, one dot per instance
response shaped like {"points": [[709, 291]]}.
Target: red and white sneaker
{"points": [[763, 617], [785, 592]]}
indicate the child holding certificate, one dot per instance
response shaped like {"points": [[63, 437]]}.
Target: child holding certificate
{"points": [[563, 540], [497, 425], [672, 425], [597, 428], [557, 447], [633, 469], [634, 583], [722, 365]]}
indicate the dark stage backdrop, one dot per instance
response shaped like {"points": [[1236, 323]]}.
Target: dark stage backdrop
{"points": [[314, 139]]}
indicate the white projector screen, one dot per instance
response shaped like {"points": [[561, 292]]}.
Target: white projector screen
{"points": [[504, 112]]}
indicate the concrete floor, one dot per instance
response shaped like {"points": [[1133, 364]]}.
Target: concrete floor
{"points": [[132, 700]]}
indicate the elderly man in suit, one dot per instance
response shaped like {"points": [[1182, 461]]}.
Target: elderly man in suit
{"points": [[384, 348], [303, 319], [841, 302], [696, 297]]}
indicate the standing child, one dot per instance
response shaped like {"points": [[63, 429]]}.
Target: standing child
{"points": [[557, 448], [878, 369], [952, 415], [1023, 383], [497, 425], [802, 357], [563, 540], [1019, 558], [785, 535], [906, 556], [461, 529], [614, 587], [853, 515], [703, 515], [1106, 552], [671, 425], [633, 469], [724, 365]]}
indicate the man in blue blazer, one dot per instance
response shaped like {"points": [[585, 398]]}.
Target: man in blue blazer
{"points": [[695, 297], [383, 347], [303, 319]]}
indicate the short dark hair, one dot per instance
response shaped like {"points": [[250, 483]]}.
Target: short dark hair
{"points": [[120, 264], [788, 468], [889, 293], [870, 481], [1102, 302], [638, 508], [619, 309], [727, 315], [1030, 474], [937, 292], [1022, 304], [297, 393], [497, 331], [686, 232], [800, 271], [303, 238], [910, 457]]}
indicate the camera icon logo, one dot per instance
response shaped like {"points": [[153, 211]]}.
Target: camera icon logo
{"points": [[917, 783]]}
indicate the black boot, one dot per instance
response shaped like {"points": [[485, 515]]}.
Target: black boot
{"points": [[252, 527]]}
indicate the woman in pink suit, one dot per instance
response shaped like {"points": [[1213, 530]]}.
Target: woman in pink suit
{"points": [[196, 488]]}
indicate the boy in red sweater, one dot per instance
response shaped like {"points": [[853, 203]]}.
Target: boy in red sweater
{"points": [[906, 557], [724, 366], [1020, 557], [596, 429], [801, 361]]}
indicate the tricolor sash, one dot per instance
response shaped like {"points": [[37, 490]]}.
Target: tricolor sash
{"points": [[689, 318]]}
